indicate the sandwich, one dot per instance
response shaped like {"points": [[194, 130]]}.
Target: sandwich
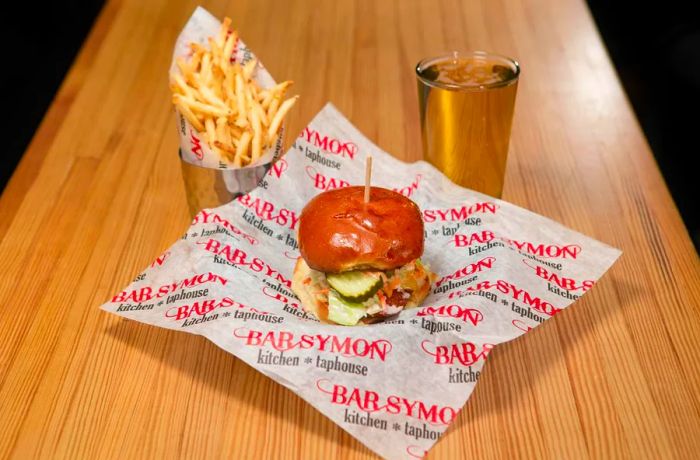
{"points": [[360, 261]]}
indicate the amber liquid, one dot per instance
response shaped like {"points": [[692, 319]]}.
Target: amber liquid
{"points": [[466, 107]]}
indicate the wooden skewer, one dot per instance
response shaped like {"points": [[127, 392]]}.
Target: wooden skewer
{"points": [[368, 177]]}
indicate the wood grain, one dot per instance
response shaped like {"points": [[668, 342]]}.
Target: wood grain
{"points": [[99, 194]]}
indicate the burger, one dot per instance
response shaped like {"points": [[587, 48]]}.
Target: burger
{"points": [[360, 261]]}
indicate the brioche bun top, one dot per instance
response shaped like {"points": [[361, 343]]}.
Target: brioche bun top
{"points": [[339, 232]]}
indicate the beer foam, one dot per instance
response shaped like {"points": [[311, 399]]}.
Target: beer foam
{"points": [[468, 72]]}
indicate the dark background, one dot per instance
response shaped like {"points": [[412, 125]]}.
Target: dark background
{"points": [[655, 48]]}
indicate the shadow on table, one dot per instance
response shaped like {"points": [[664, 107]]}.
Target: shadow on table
{"points": [[512, 369], [200, 359]]}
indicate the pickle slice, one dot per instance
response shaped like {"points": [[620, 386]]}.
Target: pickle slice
{"points": [[355, 286], [343, 312]]}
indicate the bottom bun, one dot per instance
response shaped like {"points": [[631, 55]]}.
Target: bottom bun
{"points": [[308, 300]]}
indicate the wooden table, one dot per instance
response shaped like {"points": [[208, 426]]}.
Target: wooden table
{"points": [[99, 194]]}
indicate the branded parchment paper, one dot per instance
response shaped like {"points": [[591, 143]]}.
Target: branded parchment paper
{"points": [[195, 150], [394, 386]]}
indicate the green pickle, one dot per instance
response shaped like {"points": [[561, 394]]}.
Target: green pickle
{"points": [[355, 286]]}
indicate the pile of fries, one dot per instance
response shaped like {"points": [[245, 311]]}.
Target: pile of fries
{"points": [[220, 99]]}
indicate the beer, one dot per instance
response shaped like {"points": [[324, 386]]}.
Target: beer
{"points": [[466, 110]]}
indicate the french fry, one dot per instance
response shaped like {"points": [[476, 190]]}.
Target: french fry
{"points": [[204, 108], [223, 32], [228, 148], [196, 60], [261, 113], [222, 101], [249, 68], [181, 86], [256, 150], [205, 69], [211, 138], [265, 98], [277, 121], [229, 88], [280, 88], [274, 106], [187, 113], [183, 65], [215, 52], [229, 46], [223, 133], [240, 100], [242, 149], [211, 98], [198, 49], [210, 126], [217, 87]]}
